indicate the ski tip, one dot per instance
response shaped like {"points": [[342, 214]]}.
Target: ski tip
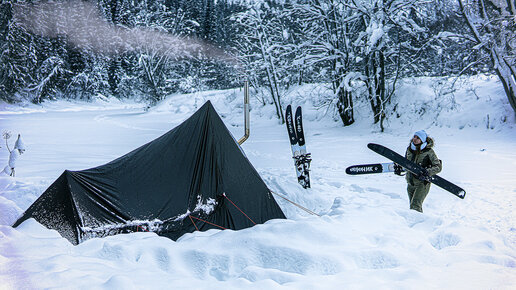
{"points": [[461, 194], [372, 145]]}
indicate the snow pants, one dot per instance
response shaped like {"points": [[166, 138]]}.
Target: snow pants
{"points": [[417, 194]]}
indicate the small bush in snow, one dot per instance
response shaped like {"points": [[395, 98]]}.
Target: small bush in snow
{"points": [[18, 149]]}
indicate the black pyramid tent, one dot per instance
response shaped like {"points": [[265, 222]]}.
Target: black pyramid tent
{"points": [[193, 177]]}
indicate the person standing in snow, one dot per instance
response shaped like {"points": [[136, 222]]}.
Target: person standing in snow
{"points": [[420, 151]]}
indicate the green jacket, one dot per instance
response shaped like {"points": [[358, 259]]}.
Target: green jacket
{"points": [[426, 158]]}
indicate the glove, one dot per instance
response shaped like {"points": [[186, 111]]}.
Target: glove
{"points": [[398, 169], [424, 176]]}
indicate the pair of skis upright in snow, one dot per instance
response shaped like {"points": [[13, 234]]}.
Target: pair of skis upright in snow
{"points": [[296, 135]]}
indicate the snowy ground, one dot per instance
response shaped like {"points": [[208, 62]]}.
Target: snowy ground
{"points": [[365, 238]]}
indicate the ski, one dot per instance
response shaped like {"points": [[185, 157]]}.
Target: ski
{"points": [[304, 158], [294, 146], [289, 120], [298, 145], [374, 168], [416, 169], [299, 131]]}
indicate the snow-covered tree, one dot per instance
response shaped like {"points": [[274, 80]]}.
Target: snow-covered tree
{"points": [[90, 80], [51, 77], [81, 49], [266, 49], [328, 30], [18, 58], [361, 41], [492, 30]]}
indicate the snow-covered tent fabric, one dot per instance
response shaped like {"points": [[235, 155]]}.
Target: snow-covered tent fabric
{"points": [[194, 172]]}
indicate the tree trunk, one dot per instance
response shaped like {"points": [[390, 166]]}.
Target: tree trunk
{"points": [[376, 89], [507, 76], [345, 106], [271, 77], [381, 88], [375, 82], [345, 100], [371, 84], [113, 75]]}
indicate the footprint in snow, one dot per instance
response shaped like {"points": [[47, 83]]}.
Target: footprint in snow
{"points": [[356, 188], [444, 240], [376, 260], [412, 217]]}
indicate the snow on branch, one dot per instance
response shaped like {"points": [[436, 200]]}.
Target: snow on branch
{"points": [[18, 149]]}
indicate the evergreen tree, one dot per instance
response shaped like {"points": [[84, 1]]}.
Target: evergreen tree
{"points": [[17, 62]]}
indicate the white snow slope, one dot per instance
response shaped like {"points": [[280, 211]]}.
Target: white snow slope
{"points": [[365, 237]]}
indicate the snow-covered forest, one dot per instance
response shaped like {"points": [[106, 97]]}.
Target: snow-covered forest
{"points": [[146, 50]]}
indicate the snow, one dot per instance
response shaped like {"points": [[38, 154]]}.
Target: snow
{"points": [[363, 236], [19, 144], [13, 158], [376, 32]]}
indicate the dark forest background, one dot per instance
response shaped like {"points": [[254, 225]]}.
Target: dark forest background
{"points": [[359, 48]]}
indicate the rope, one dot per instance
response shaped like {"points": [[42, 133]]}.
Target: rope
{"points": [[298, 205], [208, 222], [193, 223], [139, 227], [224, 194]]}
